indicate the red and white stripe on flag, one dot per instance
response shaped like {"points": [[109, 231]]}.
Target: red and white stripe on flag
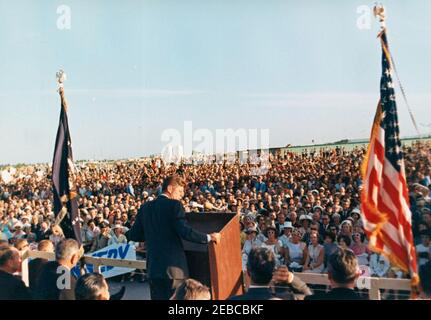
{"points": [[385, 204], [384, 196]]}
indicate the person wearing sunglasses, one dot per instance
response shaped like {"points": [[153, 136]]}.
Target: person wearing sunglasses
{"points": [[273, 244]]}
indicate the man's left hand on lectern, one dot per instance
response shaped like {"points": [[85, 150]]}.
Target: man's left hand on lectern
{"points": [[215, 237]]}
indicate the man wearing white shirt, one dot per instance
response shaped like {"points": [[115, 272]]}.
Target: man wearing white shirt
{"points": [[379, 265], [423, 250]]}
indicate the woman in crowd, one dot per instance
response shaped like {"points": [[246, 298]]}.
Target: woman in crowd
{"points": [[117, 237], [295, 251], [329, 246], [18, 233], [250, 243], [346, 228], [273, 244], [5, 233], [316, 255], [344, 242], [305, 221], [360, 249]]}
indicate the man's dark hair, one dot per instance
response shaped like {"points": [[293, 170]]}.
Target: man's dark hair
{"points": [[425, 233], [89, 286], [260, 265], [346, 239], [172, 180], [343, 266], [6, 253], [330, 235], [425, 278]]}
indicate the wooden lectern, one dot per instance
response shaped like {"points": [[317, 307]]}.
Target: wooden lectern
{"points": [[218, 266]]}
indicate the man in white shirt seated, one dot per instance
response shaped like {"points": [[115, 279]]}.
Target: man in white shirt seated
{"points": [[423, 250], [379, 265]]}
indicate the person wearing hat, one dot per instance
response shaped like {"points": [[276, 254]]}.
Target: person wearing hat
{"points": [[18, 232], [317, 213], [305, 221], [286, 229], [346, 228], [117, 235], [295, 251], [273, 244], [356, 217], [250, 242]]}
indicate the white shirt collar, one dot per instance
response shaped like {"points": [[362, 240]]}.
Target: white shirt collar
{"points": [[257, 287]]}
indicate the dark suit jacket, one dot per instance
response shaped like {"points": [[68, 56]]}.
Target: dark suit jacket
{"points": [[12, 288], [42, 235], [336, 294], [161, 224], [34, 268], [323, 229], [255, 294], [46, 287]]}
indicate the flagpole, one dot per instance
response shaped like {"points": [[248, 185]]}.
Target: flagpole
{"points": [[61, 77], [380, 13], [65, 201]]}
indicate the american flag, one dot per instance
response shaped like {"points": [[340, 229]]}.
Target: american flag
{"points": [[385, 198]]}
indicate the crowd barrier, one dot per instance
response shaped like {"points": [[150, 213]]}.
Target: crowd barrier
{"points": [[373, 285]]}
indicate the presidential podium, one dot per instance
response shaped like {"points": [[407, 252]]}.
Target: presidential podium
{"points": [[218, 266]]}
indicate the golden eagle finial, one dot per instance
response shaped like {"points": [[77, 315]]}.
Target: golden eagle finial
{"points": [[380, 13]]}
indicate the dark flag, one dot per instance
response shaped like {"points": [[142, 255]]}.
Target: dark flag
{"points": [[63, 179]]}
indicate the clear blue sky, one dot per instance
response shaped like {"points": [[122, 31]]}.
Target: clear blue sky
{"points": [[302, 69]]}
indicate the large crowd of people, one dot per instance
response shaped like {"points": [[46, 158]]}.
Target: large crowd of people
{"points": [[302, 208]]}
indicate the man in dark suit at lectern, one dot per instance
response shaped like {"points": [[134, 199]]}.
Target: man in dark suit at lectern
{"points": [[161, 224]]}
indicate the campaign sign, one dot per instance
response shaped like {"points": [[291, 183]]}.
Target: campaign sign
{"points": [[114, 251]]}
